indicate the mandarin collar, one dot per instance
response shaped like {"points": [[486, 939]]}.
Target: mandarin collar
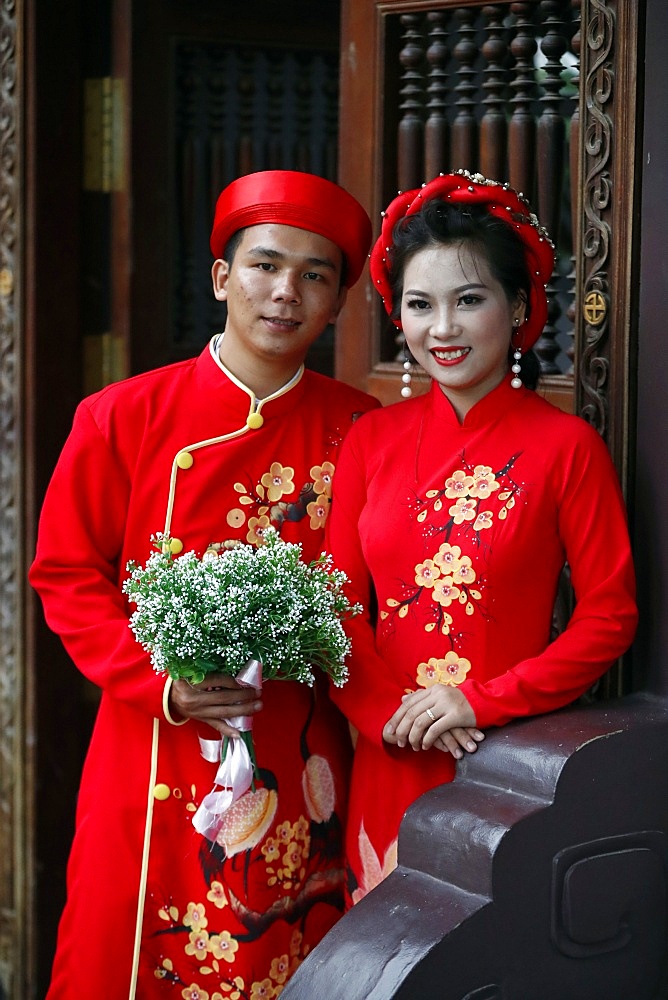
{"points": [[488, 409], [440, 430], [238, 400]]}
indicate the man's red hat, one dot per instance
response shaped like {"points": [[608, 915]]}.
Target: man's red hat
{"points": [[293, 198]]}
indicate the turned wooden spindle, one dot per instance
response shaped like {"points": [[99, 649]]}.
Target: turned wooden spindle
{"points": [[493, 126], [551, 137], [436, 126], [246, 88], [304, 85], [464, 128], [188, 169], [275, 93], [522, 127], [410, 133]]}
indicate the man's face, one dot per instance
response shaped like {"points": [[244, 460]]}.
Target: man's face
{"points": [[282, 289]]}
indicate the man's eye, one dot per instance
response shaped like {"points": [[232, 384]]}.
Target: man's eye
{"points": [[313, 276]]}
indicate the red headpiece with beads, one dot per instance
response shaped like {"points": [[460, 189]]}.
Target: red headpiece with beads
{"points": [[501, 200]]}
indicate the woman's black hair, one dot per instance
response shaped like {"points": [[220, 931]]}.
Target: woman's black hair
{"points": [[440, 223]]}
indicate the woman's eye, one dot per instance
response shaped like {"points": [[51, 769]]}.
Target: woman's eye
{"points": [[417, 304], [469, 300]]}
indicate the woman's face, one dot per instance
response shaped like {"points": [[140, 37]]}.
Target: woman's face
{"points": [[458, 321]]}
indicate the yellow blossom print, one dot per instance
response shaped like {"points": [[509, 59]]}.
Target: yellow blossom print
{"points": [[235, 986], [426, 573], [322, 478], [278, 481], [296, 943], [194, 992], [256, 529], [270, 850], [318, 511], [458, 485], [448, 557], [235, 517], [262, 991], [216, 895], [428, 673], [302, 825], [484, 482], [483, 520], [445, 591], [280, 968], [453, 669], [292, 858], [198, 945], [464, 573], [223, 946], [284, 832], [463, 510], [195, 917]]}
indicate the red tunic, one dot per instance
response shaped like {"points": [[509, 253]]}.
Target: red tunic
{"points": [[153, 908], [462, 531]]}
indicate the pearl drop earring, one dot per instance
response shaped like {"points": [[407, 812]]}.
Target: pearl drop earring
{"points": [[516, 369], [406, 390], [406, 378]]}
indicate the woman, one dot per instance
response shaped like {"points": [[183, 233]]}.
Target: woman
{"points": [[455, 512]]}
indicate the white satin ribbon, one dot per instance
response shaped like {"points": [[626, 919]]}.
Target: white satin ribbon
{"points": [[235, 773]]}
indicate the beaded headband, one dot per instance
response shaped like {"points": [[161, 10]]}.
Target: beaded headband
{"points": [[464, 188]]}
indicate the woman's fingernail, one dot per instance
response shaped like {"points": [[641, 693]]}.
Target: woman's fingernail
{"points": [[470, 746]]}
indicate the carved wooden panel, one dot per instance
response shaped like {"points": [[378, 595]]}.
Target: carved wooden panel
{"points": [[14, 940]]}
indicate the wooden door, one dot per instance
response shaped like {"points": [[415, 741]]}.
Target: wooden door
{"points": [[215, 91], [129, 132]]}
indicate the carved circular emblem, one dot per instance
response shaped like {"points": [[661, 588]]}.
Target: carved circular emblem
{"points": [[595, 308]]}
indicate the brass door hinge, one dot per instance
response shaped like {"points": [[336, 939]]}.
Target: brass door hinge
{"points": [[104, 361], [103, 134]]}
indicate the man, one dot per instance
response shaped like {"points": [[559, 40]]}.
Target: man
{"points": [[209, 451]]}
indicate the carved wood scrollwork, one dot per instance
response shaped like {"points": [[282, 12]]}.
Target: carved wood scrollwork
{"points": [[13, 943], [596, 193], [605, 323]]}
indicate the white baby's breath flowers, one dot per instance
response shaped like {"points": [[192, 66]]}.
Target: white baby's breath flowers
{"points": [[196, 616]]}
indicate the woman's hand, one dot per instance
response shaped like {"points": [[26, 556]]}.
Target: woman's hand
{"points": [[428, 714], [215, 700], [458, 740]]}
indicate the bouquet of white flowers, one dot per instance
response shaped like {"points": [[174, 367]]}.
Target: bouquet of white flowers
{"points": [[224, 613]]}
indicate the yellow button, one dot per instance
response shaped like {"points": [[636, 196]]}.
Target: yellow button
{"points": [[254, 421], [161, 792], [175, 546], [184, 460]]}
